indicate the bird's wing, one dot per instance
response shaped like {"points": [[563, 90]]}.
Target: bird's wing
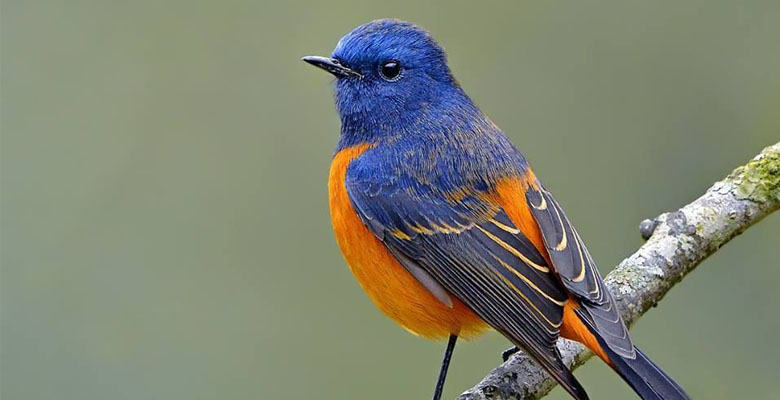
{"points": [[469, 245], [575, 266]]}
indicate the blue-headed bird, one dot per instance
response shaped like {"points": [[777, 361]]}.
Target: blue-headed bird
{"points": [[445, 225]]}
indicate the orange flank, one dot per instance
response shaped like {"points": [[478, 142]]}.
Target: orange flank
{"points": [[573, 328], [391, 287], [510, 195]]}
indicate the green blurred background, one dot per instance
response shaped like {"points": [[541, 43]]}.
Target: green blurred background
{"points": [[165, 232]]}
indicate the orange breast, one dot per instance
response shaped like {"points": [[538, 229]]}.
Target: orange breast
{"points": [[391, 287]]}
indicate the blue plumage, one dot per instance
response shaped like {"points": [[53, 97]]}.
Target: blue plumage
{"points": [[452, 199]]}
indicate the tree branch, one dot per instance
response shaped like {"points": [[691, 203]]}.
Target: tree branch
{"points": [[678, 242]]}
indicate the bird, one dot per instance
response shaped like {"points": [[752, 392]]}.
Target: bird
{"points": [[445, 225]]}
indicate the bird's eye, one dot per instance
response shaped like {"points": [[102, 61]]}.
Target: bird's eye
{"points": [[390, 71]]}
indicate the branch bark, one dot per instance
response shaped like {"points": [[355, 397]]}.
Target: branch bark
{"points": [[677, 242]]}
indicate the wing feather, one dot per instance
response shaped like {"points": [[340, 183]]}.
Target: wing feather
{"points": [[473, 250], [575, 266]]}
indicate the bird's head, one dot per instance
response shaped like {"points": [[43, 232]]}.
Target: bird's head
{"points": [[391, 76]]}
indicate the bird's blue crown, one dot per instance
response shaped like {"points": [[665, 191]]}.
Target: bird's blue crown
{"points": [[367, 46]]}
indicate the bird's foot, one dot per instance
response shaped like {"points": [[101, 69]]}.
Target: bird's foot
{"points": [[508, 353]]}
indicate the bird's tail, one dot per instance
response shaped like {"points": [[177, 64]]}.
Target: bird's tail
{"points": [[646, 378]]}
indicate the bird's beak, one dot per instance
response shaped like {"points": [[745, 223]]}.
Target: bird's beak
{"points": [[331, 65]]}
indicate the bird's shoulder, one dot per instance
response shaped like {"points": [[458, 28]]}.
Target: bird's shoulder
{"points": [[409, 187], [444, 161]]}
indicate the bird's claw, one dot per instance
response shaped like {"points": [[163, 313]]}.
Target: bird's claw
{"points": [[508, 353]]}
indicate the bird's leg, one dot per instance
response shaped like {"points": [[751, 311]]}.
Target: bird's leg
{"points": [[445, 364], [508, 352]]}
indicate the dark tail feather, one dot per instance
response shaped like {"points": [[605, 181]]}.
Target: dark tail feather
{"points": [[569, 383], [554, 366], [647, 380]]}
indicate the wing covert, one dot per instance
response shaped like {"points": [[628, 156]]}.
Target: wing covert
{"points": [[575, 266]]}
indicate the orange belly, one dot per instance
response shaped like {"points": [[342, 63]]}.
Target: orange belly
{"points": [[391, 287]]}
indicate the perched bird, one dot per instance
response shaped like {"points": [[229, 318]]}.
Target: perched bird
{"points": [[445, 225]]}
